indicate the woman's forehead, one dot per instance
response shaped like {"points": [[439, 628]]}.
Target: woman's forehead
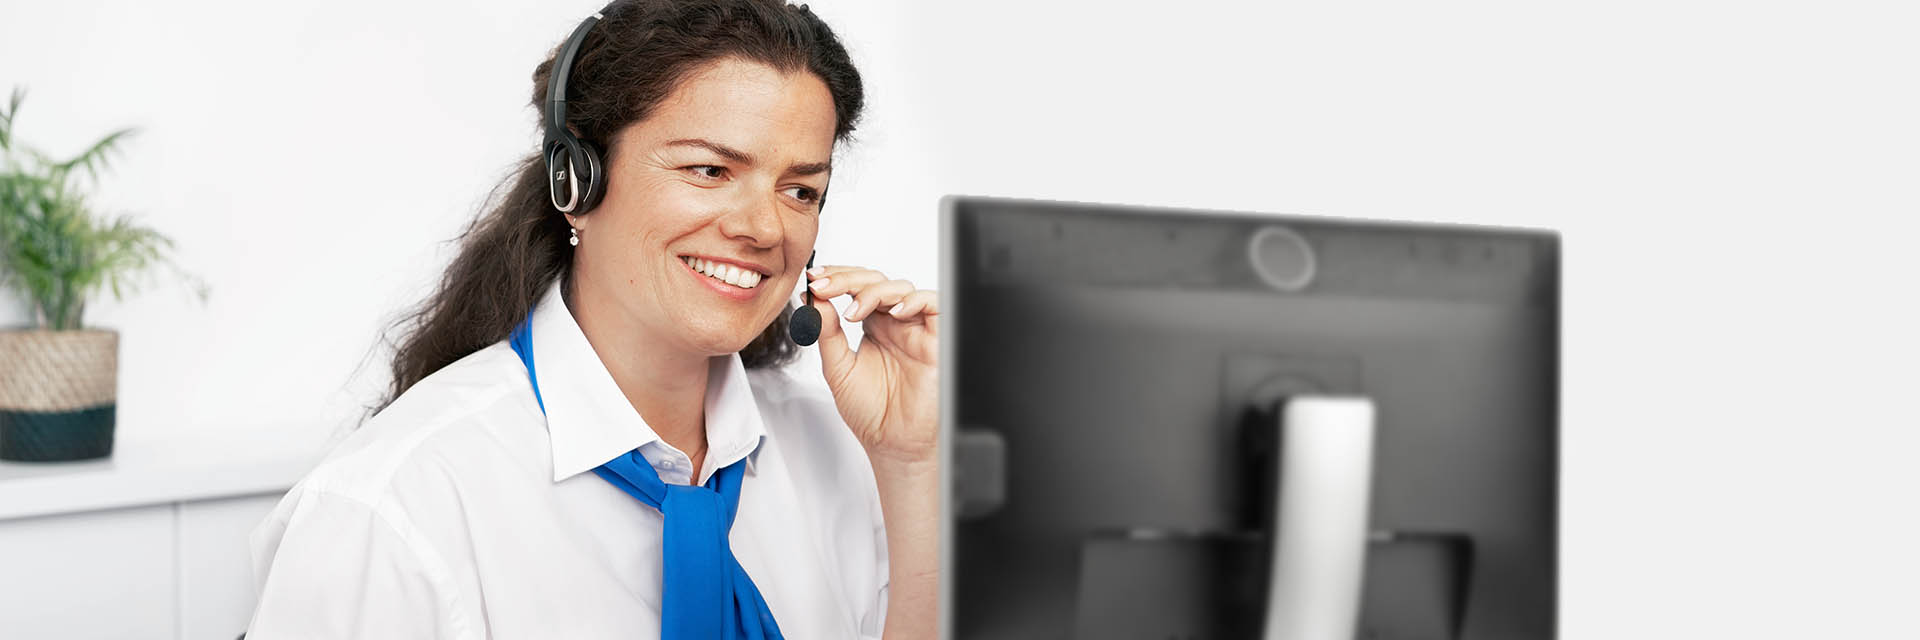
{"points": [[746, 105]]}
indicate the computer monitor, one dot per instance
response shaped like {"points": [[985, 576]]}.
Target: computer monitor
{"points": [[1190, 424]]}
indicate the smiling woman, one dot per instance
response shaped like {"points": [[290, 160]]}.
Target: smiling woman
{"points": [[624, 315], [728, 169], [622, 74]]}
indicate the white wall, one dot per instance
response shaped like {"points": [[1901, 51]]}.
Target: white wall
{"points": [[1735, 182]]}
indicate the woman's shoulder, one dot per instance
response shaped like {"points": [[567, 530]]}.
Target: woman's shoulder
{"points": [[780, 383], [794, 396], [803, 421], [459, 420]]}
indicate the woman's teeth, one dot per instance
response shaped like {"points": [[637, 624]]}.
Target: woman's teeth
{"points": [[724, 272]]}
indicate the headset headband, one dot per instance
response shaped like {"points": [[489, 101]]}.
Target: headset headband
{"points": [[557, 81]]}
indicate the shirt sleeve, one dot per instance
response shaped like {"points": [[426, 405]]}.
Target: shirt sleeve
{"points": [[873, 625], [329, 566]]}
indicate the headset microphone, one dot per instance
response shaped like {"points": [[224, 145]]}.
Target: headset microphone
{"points": [[804, 326]]}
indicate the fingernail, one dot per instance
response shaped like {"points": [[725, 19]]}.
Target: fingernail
{"points": [[819, 284], [817, 270], [895, 311], [850, 313]]}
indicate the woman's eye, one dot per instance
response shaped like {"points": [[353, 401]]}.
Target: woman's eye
{"points": [[803, 194], [709, 171]]}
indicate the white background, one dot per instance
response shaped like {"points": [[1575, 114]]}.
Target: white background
{"points": [[1736, 183]]}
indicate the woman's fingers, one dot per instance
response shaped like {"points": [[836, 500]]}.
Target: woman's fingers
{"points": [[924, 302], [839, 280], [876, 296], [870, 290], [836, 356], [830, 269]]}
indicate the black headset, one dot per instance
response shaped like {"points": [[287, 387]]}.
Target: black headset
{"points": [[575, 177]]}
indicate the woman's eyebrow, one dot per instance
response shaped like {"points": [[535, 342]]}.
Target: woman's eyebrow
{"points": [[810, 168], [724, 151], [742, 157]]}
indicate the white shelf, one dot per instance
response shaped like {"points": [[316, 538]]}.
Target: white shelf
{"points": [[199, 467]]}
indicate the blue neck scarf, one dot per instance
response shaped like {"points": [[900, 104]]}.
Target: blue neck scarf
{"points": [[706, 593]]}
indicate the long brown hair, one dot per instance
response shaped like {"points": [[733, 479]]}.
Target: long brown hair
{"points": [[637, 54]]}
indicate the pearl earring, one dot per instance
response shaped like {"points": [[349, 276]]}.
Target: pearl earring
{"points": [[575, 239]]}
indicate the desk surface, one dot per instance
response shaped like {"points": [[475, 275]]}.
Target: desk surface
{"points": [[196, 467]]}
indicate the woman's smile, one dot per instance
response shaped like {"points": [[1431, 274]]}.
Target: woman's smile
{"points": [[732, 281]]}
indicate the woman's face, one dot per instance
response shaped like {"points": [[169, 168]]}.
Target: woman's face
{"points": [[729, 168]]}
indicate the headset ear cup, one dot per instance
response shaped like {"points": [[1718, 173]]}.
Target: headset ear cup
{"points": [[593, 179], [562, 184]]}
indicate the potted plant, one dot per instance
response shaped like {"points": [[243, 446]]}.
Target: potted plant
{"points": [[58, 378]]}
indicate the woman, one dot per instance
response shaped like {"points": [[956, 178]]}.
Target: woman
{"points": [[591, 435]]}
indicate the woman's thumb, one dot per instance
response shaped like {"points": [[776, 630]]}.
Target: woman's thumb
{"points": [[835, 355]]}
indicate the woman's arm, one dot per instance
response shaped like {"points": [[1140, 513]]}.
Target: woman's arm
{"points": [[329, 566], [889, 394], [910, 502]]}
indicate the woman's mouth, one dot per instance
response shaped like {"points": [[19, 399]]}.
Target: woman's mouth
{"points": [[727, 279]]}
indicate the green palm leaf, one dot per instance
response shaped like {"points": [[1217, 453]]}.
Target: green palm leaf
{"points": [[6, 118], [95, 158], [52, 246]]}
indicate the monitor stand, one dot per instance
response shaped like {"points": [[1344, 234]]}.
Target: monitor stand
{"points": [[1307, 567], [1325, 467]]}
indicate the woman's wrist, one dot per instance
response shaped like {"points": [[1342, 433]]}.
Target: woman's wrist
{"points": [[906, 466], [906, 456], [909, 488]]}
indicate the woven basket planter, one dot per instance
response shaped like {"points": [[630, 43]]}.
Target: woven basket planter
{"points": [[57, 394]]}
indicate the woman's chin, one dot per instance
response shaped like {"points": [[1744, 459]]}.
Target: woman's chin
{"points": [[720, 343], [721, 336]]}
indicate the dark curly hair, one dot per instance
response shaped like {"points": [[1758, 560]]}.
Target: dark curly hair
{"points": [[637, 54]]}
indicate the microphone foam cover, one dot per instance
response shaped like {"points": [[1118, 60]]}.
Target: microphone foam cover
{"points": [[804, 326]]}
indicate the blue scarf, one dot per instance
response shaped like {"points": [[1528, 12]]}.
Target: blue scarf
{"points": [[706, 593]]}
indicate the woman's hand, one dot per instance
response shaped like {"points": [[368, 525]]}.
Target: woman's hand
{"points": [[889, 393], [889, 390]]}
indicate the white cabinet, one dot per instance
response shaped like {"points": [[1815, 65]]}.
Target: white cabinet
{"points": [[149, 544], [103, 574]]}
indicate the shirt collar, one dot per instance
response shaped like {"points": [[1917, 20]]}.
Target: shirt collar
{"points": [[589, 420]]}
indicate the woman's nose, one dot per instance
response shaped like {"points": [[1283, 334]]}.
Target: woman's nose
{"points": [[756, 220]]}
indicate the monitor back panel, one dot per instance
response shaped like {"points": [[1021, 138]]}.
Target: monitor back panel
{"points": [[1115, 352]]}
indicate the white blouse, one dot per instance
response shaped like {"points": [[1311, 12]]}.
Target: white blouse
{"points": [[460, 511]]}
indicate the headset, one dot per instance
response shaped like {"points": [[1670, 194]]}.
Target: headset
{"points": [[575, 177]]}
